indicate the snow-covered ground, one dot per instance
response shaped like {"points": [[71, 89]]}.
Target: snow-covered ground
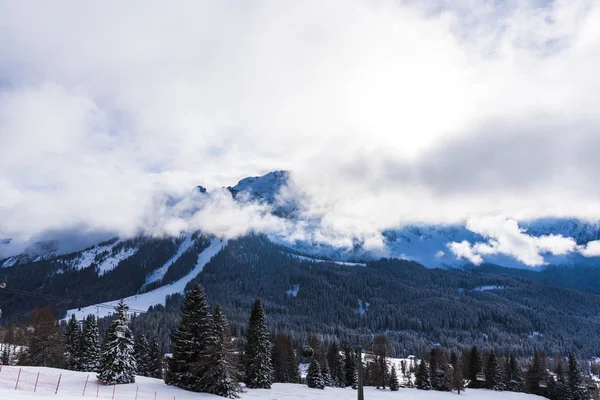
{"points": [[73, 386], [141, 302], [318, 260]]}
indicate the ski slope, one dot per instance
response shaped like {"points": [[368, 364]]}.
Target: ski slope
{"points": [[73, 386], [141, 302], [159, 273]]}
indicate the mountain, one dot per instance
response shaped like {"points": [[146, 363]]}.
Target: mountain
{"points": [[434, 246]]}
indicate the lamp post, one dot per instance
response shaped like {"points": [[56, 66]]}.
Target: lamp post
{"points": [[361, 394]]}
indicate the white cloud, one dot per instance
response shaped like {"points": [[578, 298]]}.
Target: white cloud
{"points": [[386, 112], [504, 236], [591, 249], [465, 250]]}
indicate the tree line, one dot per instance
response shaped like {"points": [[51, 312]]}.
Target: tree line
{"points": [[207, 357]]}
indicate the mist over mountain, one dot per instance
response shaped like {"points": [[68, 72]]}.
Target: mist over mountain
{"points": [[285, 216]]}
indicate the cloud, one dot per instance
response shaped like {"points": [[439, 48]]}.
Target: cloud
{"points": [[505, 237], [386, 112], [591, 249]]}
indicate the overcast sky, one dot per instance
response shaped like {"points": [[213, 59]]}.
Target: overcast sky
{"points": [[386, 112]]}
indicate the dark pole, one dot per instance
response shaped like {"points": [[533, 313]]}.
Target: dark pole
{"points": [[361, 394]]}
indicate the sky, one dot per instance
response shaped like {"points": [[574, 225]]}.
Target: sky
{"points": [[385, 112]]}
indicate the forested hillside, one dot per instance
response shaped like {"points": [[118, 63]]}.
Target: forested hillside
{"points": [[416, 306], [494, 307]]}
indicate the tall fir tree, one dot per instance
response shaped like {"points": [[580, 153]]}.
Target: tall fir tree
{"points": [[422, 376], [257, 355], [44, 341], [140, 351], [474, 367], [513, 376], [326, 373], [493, 377], [189, 341], [216, 368], [284, 361], [314, 379], [557, 385], [537, 375], [155, 356], [336, 365], [73, 344], [90, 345], [577, 390], [117, 364], [394, 384]]}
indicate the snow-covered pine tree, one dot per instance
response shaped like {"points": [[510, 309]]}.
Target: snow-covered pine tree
{"points": [[73, 344], [5, 357], [422, 376], [576, 389], [140, 351], [493, 377], [257, 356], [314, 379], [513, 377], [326, 373], [155, 361], [90, 345], [216, 370], [189, 340], [394, 384], [117, 364]]}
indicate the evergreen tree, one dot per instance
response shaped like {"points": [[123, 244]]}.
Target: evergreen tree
{"points": [[576, 389], [155, 361], [285, 364], [442, 375], [326, 373], [216, 370], [314, 379], [117, 364], [140, 352], [557, 386], [434, 369], [336, 365], [90, 345], [189, 341], [73, 344], [493, 377], [257, 357], [350, 371], [44, 342], [474, 367], [458, 383], [5, 357], [422, 376], [513, 377], [537, 376], [381, 347], [394, 384]]}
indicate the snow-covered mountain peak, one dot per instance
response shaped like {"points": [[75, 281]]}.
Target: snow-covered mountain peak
{"points": [[261, 188]]}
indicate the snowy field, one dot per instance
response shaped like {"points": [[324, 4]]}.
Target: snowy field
{"points": [[73, 386]]}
